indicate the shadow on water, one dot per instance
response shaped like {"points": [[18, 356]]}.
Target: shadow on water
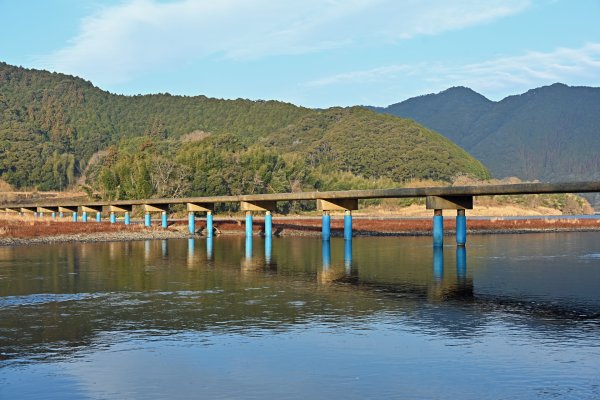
{"points": [[58, 299]]}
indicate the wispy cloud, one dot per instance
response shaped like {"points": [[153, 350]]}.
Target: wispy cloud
{"points": [[120, 42], [493, 77]]}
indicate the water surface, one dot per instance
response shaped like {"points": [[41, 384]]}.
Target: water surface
{"points": [[513, 316]]}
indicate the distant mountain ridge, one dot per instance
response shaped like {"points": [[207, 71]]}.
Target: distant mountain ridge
{"points": [[551, 133]]}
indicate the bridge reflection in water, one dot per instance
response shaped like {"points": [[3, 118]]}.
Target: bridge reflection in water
{"points": [[201, 285]]}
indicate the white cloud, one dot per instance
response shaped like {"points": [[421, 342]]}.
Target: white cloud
{"points": [[495, 77], [120, 42]]}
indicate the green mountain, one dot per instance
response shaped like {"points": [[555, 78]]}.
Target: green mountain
{"points": [[56, 130], [550, 133]]}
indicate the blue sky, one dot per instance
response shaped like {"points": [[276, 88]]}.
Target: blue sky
{"points": [[312, 53]]}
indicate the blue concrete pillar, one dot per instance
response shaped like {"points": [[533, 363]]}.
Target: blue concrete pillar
{"points": [[53, 215], [248, 223], [164, 220], [347, 225], [74, 217], [98, 216], [438, 228], [438, 263], [147, 219], [113, 217], [41, 215], [127, 218], [61, 214], [326, 226], [192, 222], [461, 228], [268, 224], [461, 262], [268, 249], [84, 216], [209, 224]]}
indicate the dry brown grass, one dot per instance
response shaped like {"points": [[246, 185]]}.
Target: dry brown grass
{"points": [[14, 226], [391, 226], [5, 186]]}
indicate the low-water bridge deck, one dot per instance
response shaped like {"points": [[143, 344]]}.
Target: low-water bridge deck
{"points": [[438, 198]]}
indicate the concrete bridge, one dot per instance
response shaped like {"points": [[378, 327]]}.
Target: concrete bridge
{"points": [[459, 198]]}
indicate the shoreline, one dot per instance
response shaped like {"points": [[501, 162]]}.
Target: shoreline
{"points": [[20, 232]]}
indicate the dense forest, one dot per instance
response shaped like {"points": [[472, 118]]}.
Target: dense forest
{"points": [[59, 131]]}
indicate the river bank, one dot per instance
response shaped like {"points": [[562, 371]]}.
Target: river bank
{"points": [[26, 230], [16, 231]]}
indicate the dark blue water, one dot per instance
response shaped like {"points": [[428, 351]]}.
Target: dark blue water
{"points": [[514, 316]]}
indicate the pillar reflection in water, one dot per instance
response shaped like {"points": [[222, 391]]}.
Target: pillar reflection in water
{"points": [[191, 249], [164, 248], [348, 256], [464, 286], [147, 249], [268, 249], [209, 248], [326, 253], [461, 263], [248, 248], [438, 263]]}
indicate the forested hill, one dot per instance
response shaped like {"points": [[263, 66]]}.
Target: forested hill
{"points": [[54, 128], [550, 133]]}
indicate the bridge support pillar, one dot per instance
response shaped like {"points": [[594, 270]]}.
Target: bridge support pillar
{"points": [[162, 208], [53, 215], [191, 222], [61, 214], [268, 224], [346, 205], [209, 224], [41, 214], [459, 203], [461, 228], [264, 205], [84, 216], [248, 223], [113, 217], [347, 225], [127, 218], [74, 216], [98, 216], [192, 208], [326, 226], [438, 228]]}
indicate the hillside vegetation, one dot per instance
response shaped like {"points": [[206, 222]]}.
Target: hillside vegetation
{"points": [[57, 130]]}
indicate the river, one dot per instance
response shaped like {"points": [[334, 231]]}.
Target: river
{"points": [[512, 316]]}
